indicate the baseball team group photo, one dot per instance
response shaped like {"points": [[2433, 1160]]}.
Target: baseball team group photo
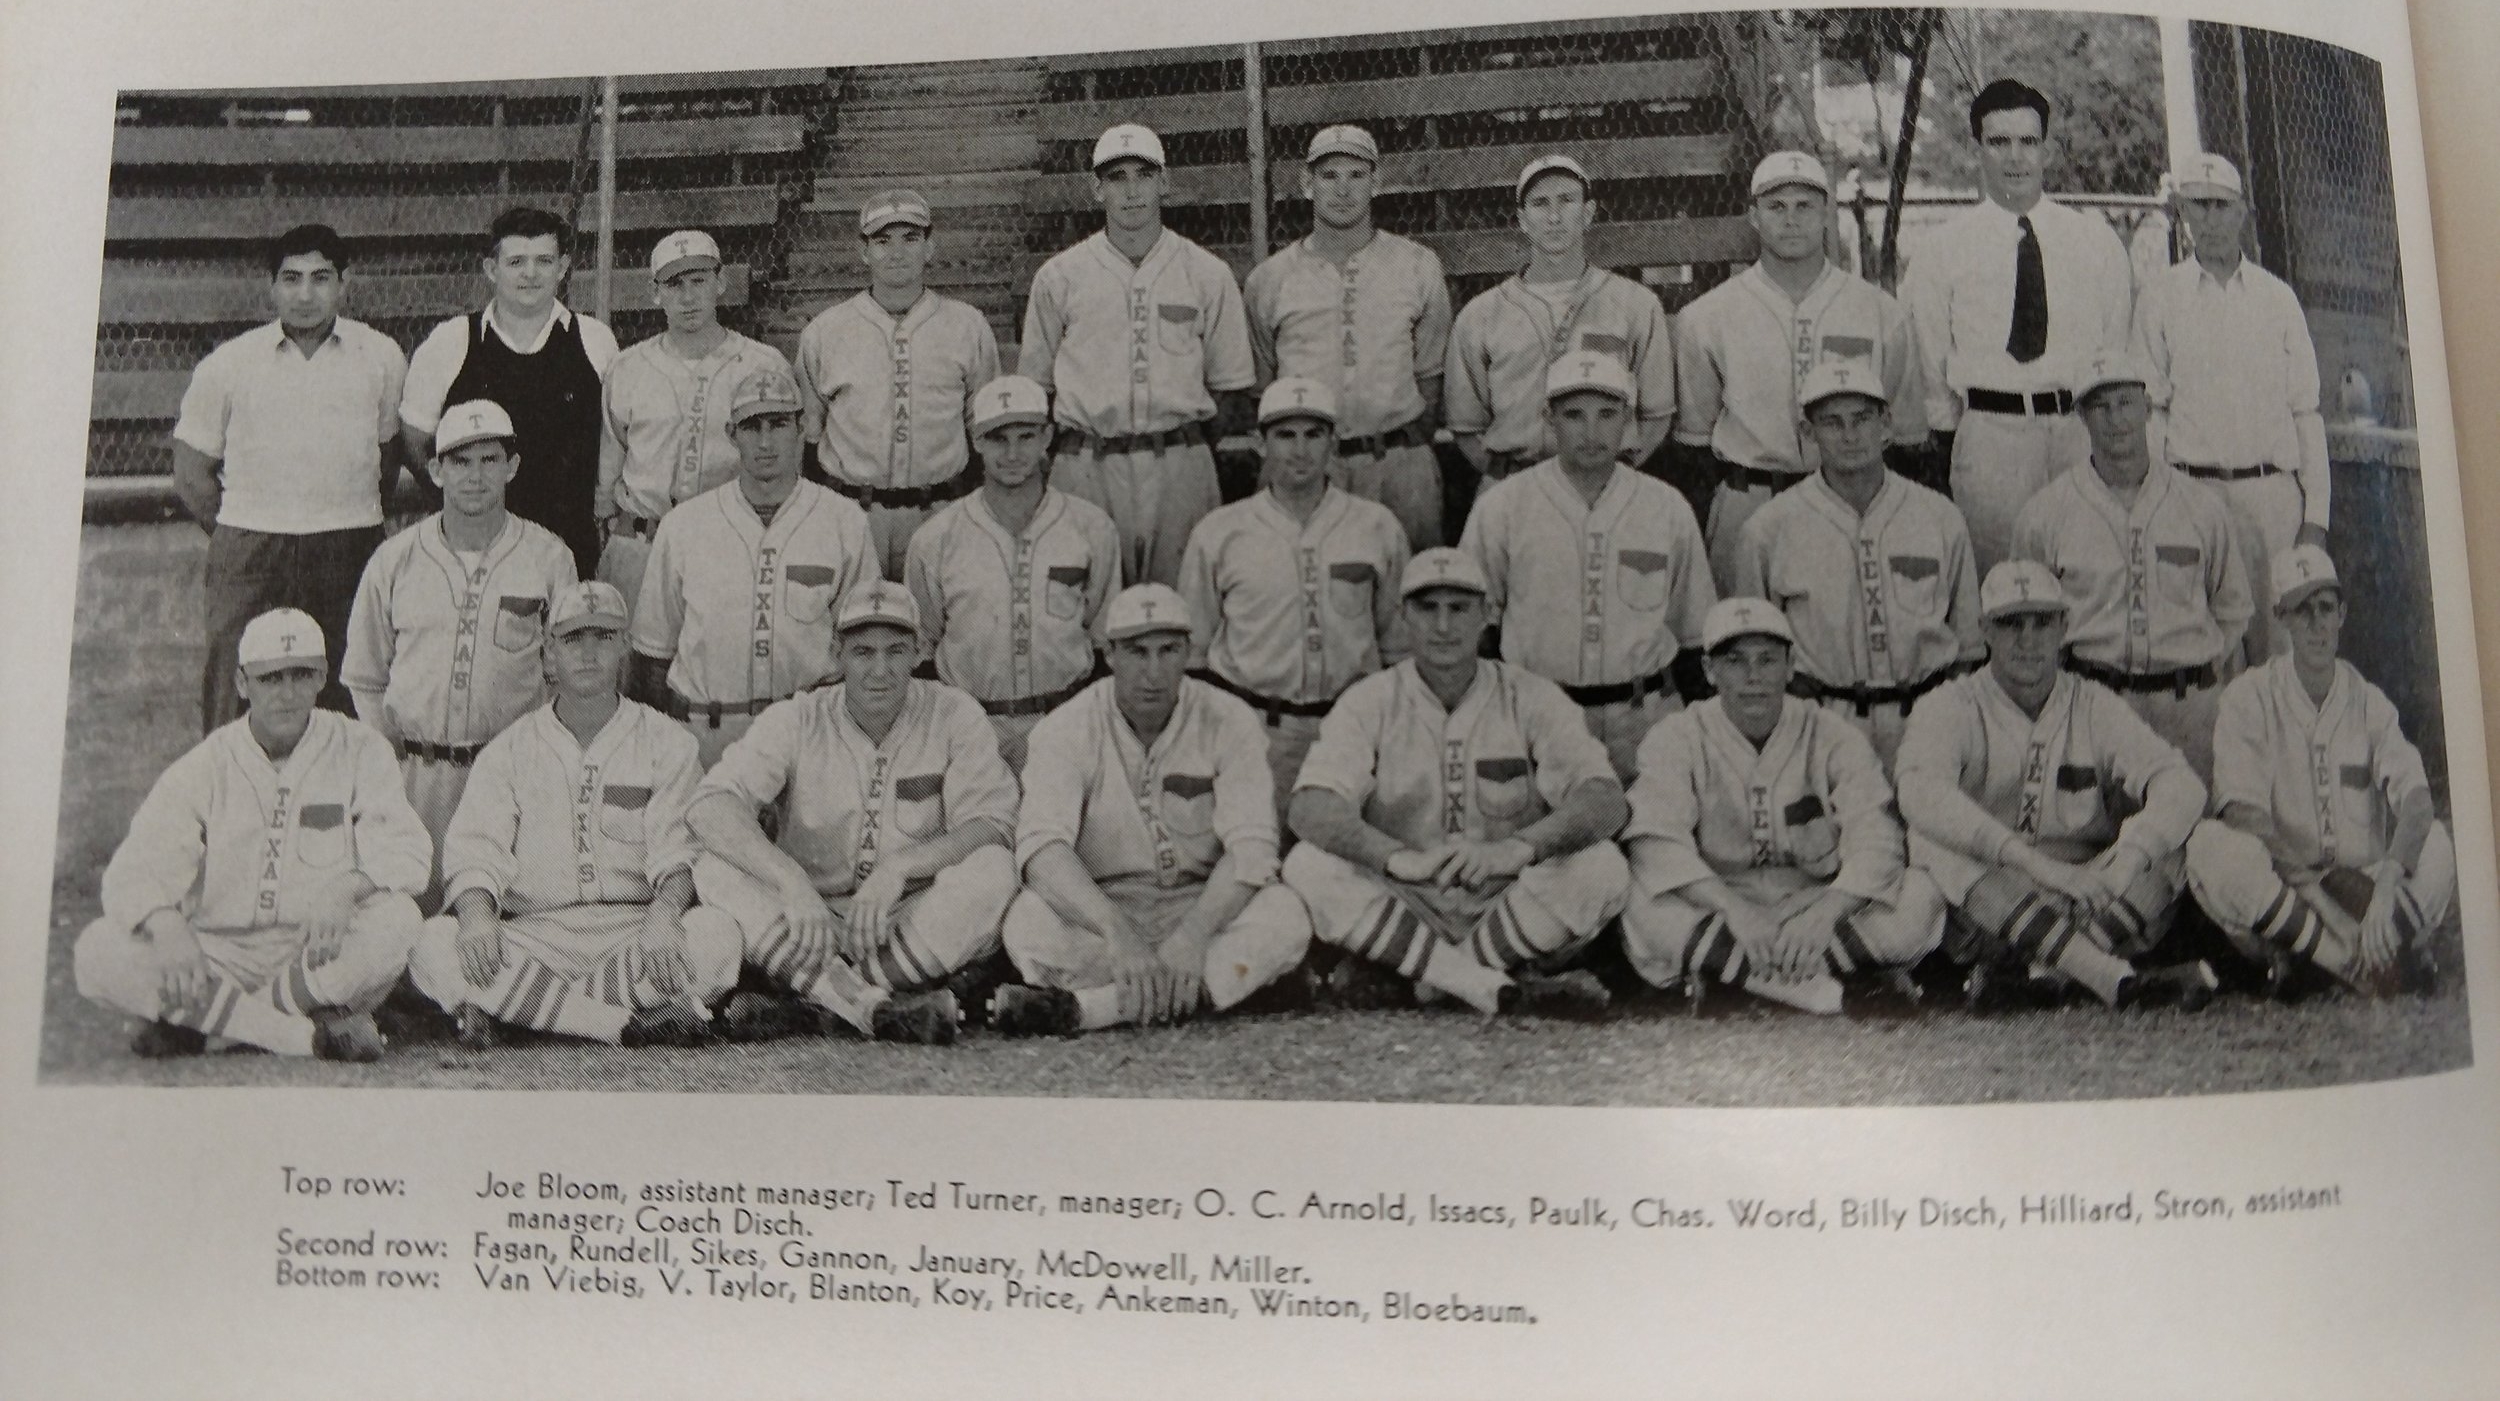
{"points": [[1760, 558]]}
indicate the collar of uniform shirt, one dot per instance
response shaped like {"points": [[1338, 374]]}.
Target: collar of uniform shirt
{"points": [[280, 340], [559, 315]]}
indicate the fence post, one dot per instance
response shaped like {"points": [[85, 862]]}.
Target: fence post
{"points": [[1254, 101], [2178, 91], [607, 198]]}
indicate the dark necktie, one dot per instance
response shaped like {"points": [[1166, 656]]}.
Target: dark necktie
{"points": [[2030, 336]]}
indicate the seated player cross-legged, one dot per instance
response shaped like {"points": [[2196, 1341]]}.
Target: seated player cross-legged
{"points": [[569, 865], [1454, 816], [890, 868], [2324, 850], [2049, 815], [1148, 845], [266, 891], [1764, 850]]}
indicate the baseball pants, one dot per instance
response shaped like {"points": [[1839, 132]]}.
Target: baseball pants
{"points": [[575, 972], [1730, 508], [2237, 883], [1621, 726], [1263, 943], [1671, 939], [434, 789], [1461, 942], [1289, 739], [263, 987], [250, 572], [712, 738], [890, 530], [1999, 461], [1881, 724], [1407, 480], [2006, 914], [2267, 511], [1154, 498], [2186, 722], [1012, 730]]}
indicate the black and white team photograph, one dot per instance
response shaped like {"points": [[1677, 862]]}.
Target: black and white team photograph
{"points": [[1769, 558]]}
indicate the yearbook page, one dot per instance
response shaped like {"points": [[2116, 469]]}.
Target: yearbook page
{"points": [[1338, 700]]}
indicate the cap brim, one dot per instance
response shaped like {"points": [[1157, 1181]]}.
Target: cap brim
{"points": [[1271, 420], [1742, 634], [1009, 420], [266, 665], [456, 444], [2029, 605], [878, 620], [2297, 592], [1145, 630], [675, 266], [762, 406], [570, 626], [1786, 182], [901, 216], [2206, 189]]}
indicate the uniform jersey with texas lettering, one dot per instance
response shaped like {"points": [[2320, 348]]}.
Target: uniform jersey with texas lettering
{"points": [[740, 610], [1504, 341], [1160, 814], [1742, 348], [1510, 752], [547, 823], [2333, 776], [1975, 773], [1883, 599], [234, 842], [1135, 347], [2153, 587], [1591, 594], [1813, 797], [848, 801], [664, 421], [453, 648], [1291, 609], [884, 396], [1010, 614], [1370, 327]]}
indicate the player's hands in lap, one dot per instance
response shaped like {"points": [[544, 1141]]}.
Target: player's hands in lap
{"points": [[663, 944], [872, 915], [480, 943]]}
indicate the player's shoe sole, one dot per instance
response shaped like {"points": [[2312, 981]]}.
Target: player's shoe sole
{"points": [[166, 1041], [669, 1024], [349, 1037], [2188, 987], [1358, 985], [757, 1016], [474, 1029], [1018, 1010], [1576, 996], [924, 1018]]}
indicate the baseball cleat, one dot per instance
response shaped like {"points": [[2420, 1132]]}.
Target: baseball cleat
{"points": [[2282, 977], [921, 1018], [166, 1040], [1886, 995], [1574, 996], [1018, 1010], [1359, 985], [758, 1016], [474, 1029], [2186, 986], [342, 1035], [674, 1023]]}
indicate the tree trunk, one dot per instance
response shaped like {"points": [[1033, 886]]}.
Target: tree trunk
{"points": [[1888, 271]]}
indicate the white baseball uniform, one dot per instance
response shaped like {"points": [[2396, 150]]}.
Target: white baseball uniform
{"points": [[1505, 340], [570, 842], [664, 438], [235, 844]]}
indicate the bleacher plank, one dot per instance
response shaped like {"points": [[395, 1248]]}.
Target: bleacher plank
{"points": [[627, 85], [1111, 61], [170, 218], [446, 145], [145, 300], [1649, 243], [1661, 80], [1413, 172], [1108, 61], [142, 395]]}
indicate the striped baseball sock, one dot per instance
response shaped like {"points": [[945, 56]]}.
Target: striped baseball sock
{"points": [[837, 987], [1714, 956], [903, 965], [528, 993], [1397, 938], [232, 1012], [2039, 932]]}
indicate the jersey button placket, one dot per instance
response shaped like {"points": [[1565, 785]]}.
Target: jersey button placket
{"points": [[898, 461], [1593, 607]]}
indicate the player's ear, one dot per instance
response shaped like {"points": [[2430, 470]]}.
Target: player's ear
{"points": [[240, 693]]}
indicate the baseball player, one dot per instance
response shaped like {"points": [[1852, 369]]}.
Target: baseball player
{"points": [[1506, 340], [444, 640], [742, 582], [1744, 349], [1135, 333], [891, 870], [2049, 815], [264, 893], [886, 380], [1764, 850], [1012, 579], [571, 865], [542, 362], [1290, 588], [1454, 818], [1366, 313], [2151, 564], [1147, 841], [664, 414], [2324, 849], [1581, 537], [2235, 382], [1873, 570], [2011, 298]]}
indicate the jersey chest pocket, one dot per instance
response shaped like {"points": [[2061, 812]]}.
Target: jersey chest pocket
{"points": [[517, 622], [1063, 592], [1186, 803], [1176, 327], [1641, 579], [1607, 343], [1813, 838], [1918, 585], [2076, 800], [322, 836], [1504, 787], [807, 591], [621, 810], [1350, 588], [2179, 574], [920, 804]]}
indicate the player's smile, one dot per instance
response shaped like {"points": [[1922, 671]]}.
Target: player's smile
{"points": [[2022, 647], [768, 445], [1752, 676], [1298, 450], [876, 671], [1588, 430], [526, 271], [1850, 430], [1341, 191], [1012, 454]]}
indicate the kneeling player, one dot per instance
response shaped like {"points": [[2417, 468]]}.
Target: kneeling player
{"points": [[266, 891], [1764, 851], [1148, 845], [2048, 813], [890, 870], [2325, 850], [568, 864], [1454, 816]]}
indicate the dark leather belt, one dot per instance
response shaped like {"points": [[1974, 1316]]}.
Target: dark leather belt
{"points": [[1073, 439], [2227, 474], [1273, 707], [1738, 477], [627, 523], [1498, 465], [461, 755], [963, 483], [1409, 434], [677, 707], [2047, 401], [2129, 683], [1038, 705], [1866, 698], [1661, 681]]}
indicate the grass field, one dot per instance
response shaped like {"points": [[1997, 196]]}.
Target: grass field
{"points": [[134, 707]]}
